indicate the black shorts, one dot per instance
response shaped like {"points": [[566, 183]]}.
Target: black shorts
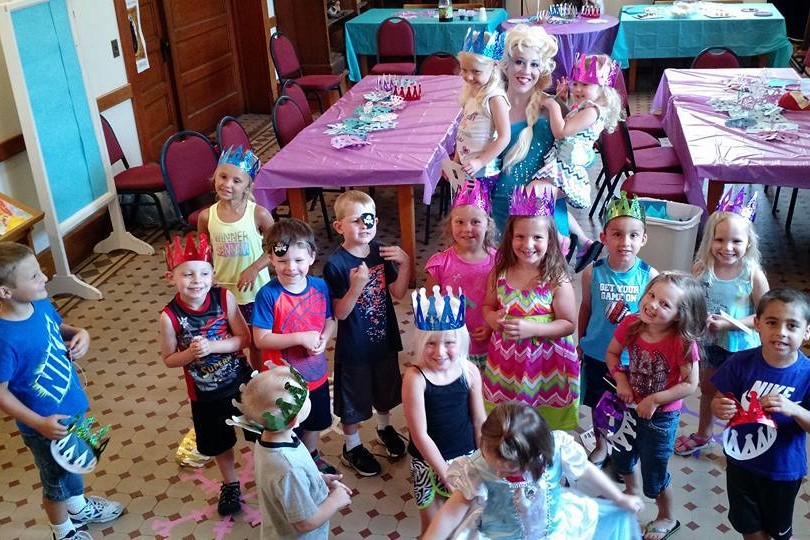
{"points": [[214, 436], [757, 503], [594, 380], [715, 357], [359, 387], [320, 416]]}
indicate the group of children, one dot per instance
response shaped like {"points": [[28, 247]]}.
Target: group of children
{"points": [[501, 333]]}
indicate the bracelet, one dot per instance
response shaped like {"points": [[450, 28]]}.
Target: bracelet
{"points": [[614, 369]]}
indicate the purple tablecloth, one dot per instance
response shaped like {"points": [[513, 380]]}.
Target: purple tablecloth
{"points": [[708, 149], [410, 154], [577, 36]]}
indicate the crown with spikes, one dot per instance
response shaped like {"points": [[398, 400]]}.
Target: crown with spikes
{"points": [[287, 409], [526, 203], [474, 194], [177, 254], [738, 206], [484, 43], [622, 207], [245, 159], [754, 415], [79, 450], [744, 443], [438, 312], [592, 74]]}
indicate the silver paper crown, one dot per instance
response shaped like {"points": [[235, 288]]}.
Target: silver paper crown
{"points": [[484, 43], [438, 313], [245, 159]]}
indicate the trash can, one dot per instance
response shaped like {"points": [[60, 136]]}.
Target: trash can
{"points": [[671, 237]]}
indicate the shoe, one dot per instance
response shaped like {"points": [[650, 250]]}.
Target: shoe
{"points": [[324, 467], [661, 533], [97, 510], [361, 461], [688, 445], [591, 254], [74, 535], [230, 499], [394, 442]]}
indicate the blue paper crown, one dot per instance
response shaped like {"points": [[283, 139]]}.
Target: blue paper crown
{"points": [[484, 43], [438, 312], [244, 159]]}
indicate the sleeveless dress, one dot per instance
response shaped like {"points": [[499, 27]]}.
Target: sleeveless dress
{"points": [[734, 297], [543, 373], [566, 162]]}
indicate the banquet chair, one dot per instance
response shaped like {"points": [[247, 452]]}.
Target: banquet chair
{"points": [[288, 121], [395, 42], [282, 51], [188, 161], [649, 123], [231, 133], [139, 180], [296, 93], [716, 58], [440, 63]]}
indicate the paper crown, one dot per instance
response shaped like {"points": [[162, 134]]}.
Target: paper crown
{"points": [[177, 254], [608, 414], [245, 159], [744, 444], [474, 194], [484, 43], [526, 203], [622, 207], [754, 415], [588, 71], [408, 90], [737, 205], [79, 450], [287, 410], [438, 312]]}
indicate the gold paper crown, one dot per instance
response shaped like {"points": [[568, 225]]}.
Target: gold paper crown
{"points": [[621, 207]]}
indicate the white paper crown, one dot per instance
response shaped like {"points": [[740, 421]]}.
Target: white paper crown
{"points": [[438, 312]]}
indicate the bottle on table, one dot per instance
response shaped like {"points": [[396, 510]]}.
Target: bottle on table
{"points": [[445, 10]]}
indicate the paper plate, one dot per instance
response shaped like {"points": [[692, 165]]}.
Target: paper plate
{"points": [[596, 21], [516, 21], [762, 14]]}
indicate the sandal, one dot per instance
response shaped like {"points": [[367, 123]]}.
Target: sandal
{"points": [[688, 445], [649, 529]]}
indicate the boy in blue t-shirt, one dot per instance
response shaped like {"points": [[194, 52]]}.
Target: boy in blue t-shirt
{"points": [[765, 469], [39, 387], [611, 288]]}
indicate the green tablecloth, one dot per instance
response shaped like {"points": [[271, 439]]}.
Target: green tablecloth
{"points": [[668, 37], [431, 35]]}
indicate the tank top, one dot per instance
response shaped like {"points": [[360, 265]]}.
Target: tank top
{"points": [[236, 246], [447, 412], [734, 297]]}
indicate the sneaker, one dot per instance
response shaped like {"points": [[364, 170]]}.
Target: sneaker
{"points": [[74, 535], [394, 442], [230, 499], [97, 510], [361, 461], [324, 467]]}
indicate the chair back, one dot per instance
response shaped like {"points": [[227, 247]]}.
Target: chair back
{"points": [[113, 146], [188, 161], [282, 51], [395, 39], [716, 57], [440, 63], [615, 151], [288, 120], [231, 133], [296, 93], [621, 89]]}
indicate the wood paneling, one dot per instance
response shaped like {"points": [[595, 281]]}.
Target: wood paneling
{"points": [[11, 147], [114, 97]]}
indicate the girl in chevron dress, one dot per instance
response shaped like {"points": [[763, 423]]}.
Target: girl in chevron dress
{"points": [[530, 306]]}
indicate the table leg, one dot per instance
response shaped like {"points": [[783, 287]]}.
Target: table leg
{"points": [[633, 72], [298, 204], [713, 195], [363, 64], [407, 225], [762, 61]]}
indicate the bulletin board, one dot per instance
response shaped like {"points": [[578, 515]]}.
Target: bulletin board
{"points": [[62, 131]]}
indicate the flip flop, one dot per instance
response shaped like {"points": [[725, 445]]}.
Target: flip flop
{"points": [[591, 254], [688, 445], [649, 529]]}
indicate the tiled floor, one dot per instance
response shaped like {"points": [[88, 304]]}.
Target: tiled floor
{"points": [[130, 388]]}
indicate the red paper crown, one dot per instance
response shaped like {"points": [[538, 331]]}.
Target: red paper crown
{"points": [[754, 414], [408, 90], [177, 254], [591, 12]]}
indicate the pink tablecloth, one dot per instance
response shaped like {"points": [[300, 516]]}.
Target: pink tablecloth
{"points": [[708, 149], [410, 154]]}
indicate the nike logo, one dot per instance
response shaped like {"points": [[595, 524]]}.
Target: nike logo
{"points": [[785, 532]]}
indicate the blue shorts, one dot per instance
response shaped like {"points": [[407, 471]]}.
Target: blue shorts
{"points": [[653, 445], [57, 483]]}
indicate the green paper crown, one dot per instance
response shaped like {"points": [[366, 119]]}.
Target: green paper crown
{"points": [[278, 422], [81, 427], [621, 207]]}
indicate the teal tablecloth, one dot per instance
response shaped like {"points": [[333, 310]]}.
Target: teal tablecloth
{"points": [[431, 35], [668, 37]]}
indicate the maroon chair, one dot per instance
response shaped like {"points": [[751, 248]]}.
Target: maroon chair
{"points": [[440, 63], [188, 161], [716, 57], [296, 93], [140, 180], [288, 67], [649, 123], [231, 133], [395, 42]]}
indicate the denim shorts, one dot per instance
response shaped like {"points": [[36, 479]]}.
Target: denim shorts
{"points": [[653, 445], [57, 483]]}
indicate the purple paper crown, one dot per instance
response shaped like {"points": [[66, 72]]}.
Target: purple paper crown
{"points": [[526, 203], [474, 194], [592, 74], [484, 43], [738, 206]]}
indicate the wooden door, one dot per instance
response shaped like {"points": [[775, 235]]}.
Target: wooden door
{"points": [[204, 61]]}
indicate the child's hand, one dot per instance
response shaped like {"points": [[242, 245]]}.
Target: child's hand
{"points": [[481, 333], [200, 347], [495, 320], [624, 391], [320, 348], [630, 503], [562, 89], [247, 278], [550, 104], [723, 407], [777, 403], [394, 253], [358, 276], [310, 340], [473, 166], [715, 323], [647, 407], [517, 328], [78, 344], [341, 494], [50, 427]]}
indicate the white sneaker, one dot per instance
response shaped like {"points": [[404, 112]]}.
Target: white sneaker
{"points": [[74, 535], [97, 510]]}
